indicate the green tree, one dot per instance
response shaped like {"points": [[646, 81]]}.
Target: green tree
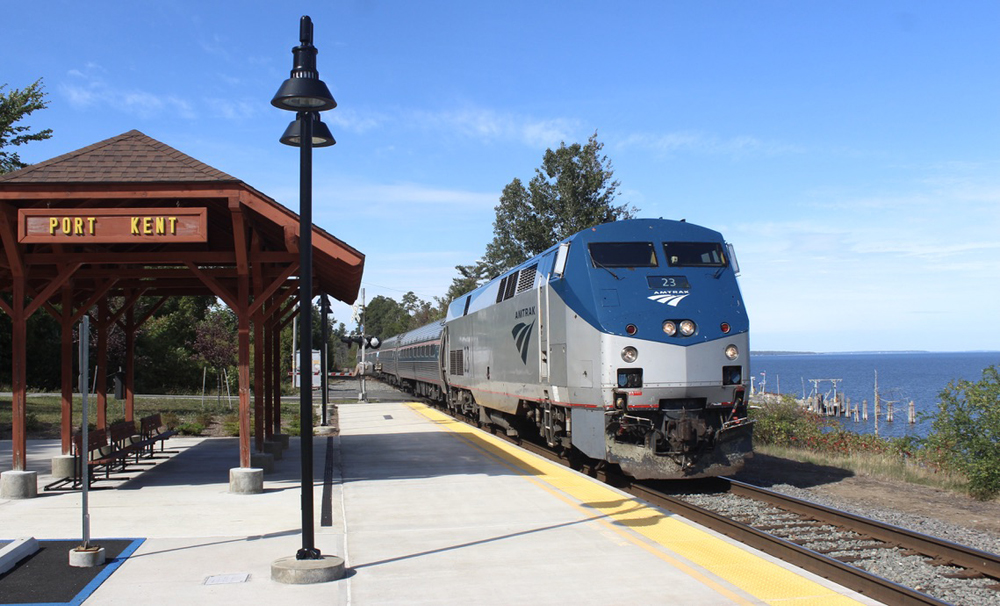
{"points": [[14, 106], [573, 189], [965, 435], [385, 317]]}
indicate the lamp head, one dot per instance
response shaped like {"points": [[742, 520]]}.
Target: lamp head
{"points": [[303, 90], [321, 135]]}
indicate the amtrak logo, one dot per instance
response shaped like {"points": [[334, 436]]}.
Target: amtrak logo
{"points": [[670, 298], [522, 336]]}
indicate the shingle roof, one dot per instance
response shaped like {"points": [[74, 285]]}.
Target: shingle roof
{"points": [[131, 157]]}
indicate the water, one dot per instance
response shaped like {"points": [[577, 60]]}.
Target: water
{"points": [[917, 376]]}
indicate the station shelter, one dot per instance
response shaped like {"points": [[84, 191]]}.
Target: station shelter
{"points": [[116, 228]]}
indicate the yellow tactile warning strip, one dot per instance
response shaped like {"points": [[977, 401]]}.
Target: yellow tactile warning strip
{"points": [[756, 576]]}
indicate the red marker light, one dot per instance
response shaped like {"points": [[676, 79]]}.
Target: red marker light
{"points": [[726, 327], [631, 329]]}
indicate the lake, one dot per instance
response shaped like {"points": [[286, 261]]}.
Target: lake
{"points": [[902, 376]]}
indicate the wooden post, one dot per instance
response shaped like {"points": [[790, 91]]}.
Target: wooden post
{"points": [[66, 407], [19, 377], [258, 381], [102, 363], [243, 316], [130, 329], [268, 374], [276, 382]]}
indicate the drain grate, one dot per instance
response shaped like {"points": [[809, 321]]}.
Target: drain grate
{"points": [[228, 579]]}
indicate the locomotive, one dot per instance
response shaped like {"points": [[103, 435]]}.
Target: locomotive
{"points": [[628, 342]]}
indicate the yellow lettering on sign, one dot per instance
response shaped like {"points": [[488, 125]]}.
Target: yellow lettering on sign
{"points": [[173, 226], [91, 221], [67, 225], [161, 226], [78, 226], [147, 225], [53, 225], [135, 226]]}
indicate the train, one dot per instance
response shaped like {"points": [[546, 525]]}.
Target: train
{"points": [[627, 343]]}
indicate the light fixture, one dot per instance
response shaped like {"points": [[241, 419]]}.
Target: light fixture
{"points": [[303, 90], [321, 135]]}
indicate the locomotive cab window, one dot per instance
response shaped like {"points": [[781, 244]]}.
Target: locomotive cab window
{"points": [[694, 254], [622, 254]]}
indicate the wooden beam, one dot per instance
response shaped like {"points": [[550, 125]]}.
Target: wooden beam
{"points": [[273, 287], [10, 245], [50, 290], [214, 286], [99, 292]]}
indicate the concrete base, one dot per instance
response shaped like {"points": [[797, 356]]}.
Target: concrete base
{"points": [[18, 484], [327, 430], [246, 480], [282, 438], [62, 467], [274, 449], [15, 551], [262, 460], [305, 572], [86, 558]]}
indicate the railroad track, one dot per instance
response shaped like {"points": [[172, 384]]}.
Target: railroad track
{"points": [[833, 544]]}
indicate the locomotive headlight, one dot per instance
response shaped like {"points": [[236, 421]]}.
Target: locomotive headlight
{"points": [[670, 328], [629, 354], [732, 352], [687, 328]]}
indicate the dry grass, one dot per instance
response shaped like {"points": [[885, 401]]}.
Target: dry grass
{"points": [[879, 466]]}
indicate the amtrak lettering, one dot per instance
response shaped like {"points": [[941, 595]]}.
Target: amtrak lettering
{"points": [[522, 336], [670, 297], [527, 311]]}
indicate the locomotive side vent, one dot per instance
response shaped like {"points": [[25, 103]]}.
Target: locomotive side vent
{"points": [[527, 278], [456, 364]]}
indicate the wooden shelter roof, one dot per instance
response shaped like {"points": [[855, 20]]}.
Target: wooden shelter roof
{"points": [[248, 233]]}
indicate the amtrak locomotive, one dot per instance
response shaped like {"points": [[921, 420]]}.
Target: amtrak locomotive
{"points": [[627, 341]]}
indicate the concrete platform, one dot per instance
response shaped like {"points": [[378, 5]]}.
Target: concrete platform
{"points": [[422, 509]]}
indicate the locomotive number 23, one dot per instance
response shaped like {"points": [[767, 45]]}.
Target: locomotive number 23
{"points": [[667, 282]]}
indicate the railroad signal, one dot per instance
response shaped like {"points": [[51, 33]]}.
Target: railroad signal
{"points": [[368, 340]]}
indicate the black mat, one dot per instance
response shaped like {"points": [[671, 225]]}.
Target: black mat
{"points": [[47, 578]]}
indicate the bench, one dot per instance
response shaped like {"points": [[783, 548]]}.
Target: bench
{"points": [[99, 453], [152, 430], [126, 441]]}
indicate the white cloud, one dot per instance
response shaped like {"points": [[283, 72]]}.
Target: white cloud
{"points": [[491, 126], [698, 142]]}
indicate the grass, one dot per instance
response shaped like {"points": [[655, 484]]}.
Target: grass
{"points": [[44, 414], [882, 466]]}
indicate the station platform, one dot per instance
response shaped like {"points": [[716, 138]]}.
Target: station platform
{"points": [[424, 509]]}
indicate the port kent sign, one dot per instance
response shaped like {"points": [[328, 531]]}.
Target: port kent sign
{"points": [[111, 225]]}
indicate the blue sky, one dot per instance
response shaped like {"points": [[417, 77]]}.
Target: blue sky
{"points": [[849, 150]]}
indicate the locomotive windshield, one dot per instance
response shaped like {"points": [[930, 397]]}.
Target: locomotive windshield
{"points": [[694, 254], [623, 254]]}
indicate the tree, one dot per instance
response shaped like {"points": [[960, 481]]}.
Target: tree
{"points": [[216, 342], [573, 189], [384, 317], [966, 432], [14, 106]]}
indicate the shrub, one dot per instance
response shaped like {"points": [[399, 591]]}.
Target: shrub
{"points": [[965, 435], [191, 429], [785, 423]]}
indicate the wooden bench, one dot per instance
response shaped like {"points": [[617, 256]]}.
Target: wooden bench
{"points": [[152, 430], [98, 453], [126, 441]]}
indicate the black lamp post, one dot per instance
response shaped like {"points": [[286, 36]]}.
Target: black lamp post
{"points": [[303, 92]]}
